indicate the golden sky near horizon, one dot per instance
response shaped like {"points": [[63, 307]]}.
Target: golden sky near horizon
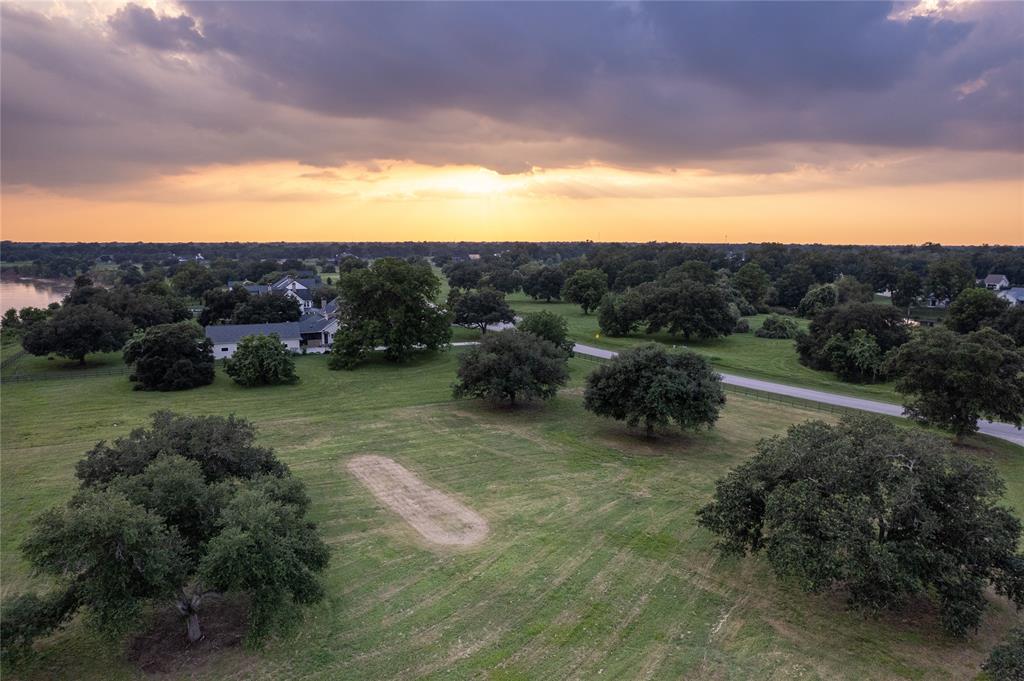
{"points": [[268, 203], [154, 121]]}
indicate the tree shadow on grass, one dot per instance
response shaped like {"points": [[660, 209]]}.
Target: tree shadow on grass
{"points": [[164, 648]]}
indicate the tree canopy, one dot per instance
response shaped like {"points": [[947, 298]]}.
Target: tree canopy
{"points": [[391, 305], [170, 357], [269, 308], [752, 282], [951, 380], [688, 307], [586, 287], [219, 305], [652, 386], [852, 340], [169, 514], [511, 366], [947, 277], [480, 308], [261, 360], [817, 299], [544, 283], [974, 308], [75, 331], [885, 512], [550, 327]]}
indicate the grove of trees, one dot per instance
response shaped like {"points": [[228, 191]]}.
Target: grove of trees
{"points": [[75, 331], [853, 340]]}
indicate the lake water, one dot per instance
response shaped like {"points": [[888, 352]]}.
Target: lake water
{"points": [[19, 293]]}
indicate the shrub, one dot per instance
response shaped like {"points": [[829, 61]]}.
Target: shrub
{"points": [[777, 326], [1006, 661], [742, 326]]}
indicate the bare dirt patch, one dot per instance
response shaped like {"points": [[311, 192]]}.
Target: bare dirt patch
{"points": [[438, 518]]}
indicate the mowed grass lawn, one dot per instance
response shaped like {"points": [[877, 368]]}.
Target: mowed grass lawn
{"points": [[594, 566], [740, 353]]}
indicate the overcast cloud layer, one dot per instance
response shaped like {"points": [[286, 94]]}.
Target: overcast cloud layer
{"points": [[137, 93]]}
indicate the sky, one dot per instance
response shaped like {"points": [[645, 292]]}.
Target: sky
{"points": [[700, 122]]}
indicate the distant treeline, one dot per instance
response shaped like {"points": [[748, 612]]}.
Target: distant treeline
{"points": [[868, 263]]}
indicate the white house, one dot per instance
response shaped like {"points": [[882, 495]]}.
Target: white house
{"points": [[996, 282], [313, 333], [225, 337]]}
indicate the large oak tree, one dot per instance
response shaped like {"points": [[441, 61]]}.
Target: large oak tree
{"points": [[885, 512]]}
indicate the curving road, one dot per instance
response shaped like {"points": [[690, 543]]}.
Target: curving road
{"points": [[1003, 431]]}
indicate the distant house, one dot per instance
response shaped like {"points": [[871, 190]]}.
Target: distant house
{"points": [[1015, 295], [313, 333], [291, 283], [996, 282], [299, 289], [303, 296], [473, 256]]}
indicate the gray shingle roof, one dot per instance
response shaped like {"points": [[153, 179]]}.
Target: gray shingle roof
{"points": [[232, 333], [1016, 294], [314, 323]]}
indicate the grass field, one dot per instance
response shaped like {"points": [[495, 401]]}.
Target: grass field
{"points": [[742, 353], [594, 566]]}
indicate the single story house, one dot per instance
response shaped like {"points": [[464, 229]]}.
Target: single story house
{"points": [[312, 333], [996, 282], [225, 337], [1014, 295]]}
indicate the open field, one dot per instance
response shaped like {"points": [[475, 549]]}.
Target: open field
{"points": [[742, 353], [593, 564]]}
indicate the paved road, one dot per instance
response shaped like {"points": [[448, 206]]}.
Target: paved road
{"points": [[1003, 431]]}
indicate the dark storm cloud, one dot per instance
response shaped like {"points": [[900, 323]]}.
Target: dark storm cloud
{"points": [[504, 85], [143, 26]]}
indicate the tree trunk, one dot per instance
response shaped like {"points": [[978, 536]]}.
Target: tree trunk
{"points": [[81, 361], [650, 429], [194, 633], [188, 606]]}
